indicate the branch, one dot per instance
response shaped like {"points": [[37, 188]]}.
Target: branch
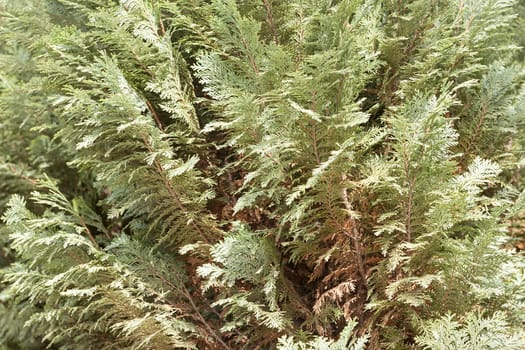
{"points": [[475, 135], [142, 65], [355, 235], [269, 19], [409, 204], [154, 114], [199, 316], [173, 193], [88, 232], [13, 171]]}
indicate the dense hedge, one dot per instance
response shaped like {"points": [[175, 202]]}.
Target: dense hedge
{"points": [[262, 174]]}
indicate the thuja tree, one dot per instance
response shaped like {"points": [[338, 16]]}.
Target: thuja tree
{"points": [[262, 174]]}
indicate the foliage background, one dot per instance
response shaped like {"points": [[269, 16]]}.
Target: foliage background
{"points": [[318, 174]]}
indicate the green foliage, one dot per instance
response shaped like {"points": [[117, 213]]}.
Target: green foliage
{"points": [[345, 342], [266, 174], [69, 286], [476, 333]]}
